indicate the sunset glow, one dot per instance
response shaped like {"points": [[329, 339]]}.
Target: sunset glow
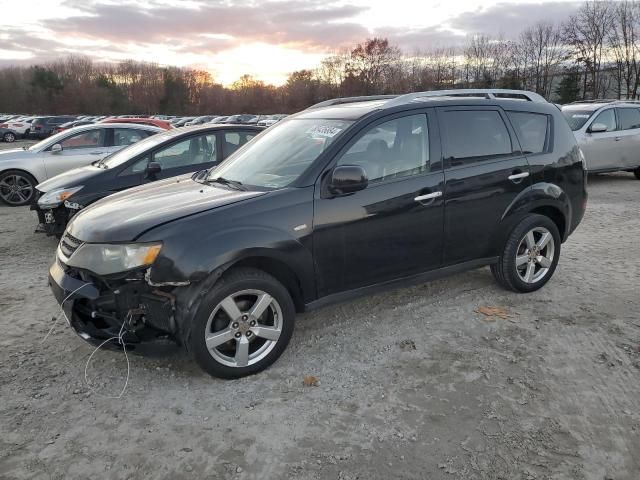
{"points": [[268, 39]]}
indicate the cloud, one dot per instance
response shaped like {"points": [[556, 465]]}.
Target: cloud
{"points": [[310, 23], [208, 32], [509, 19]]}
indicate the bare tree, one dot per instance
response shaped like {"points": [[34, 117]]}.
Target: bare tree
{"points": [[623, 38], [587, 32], [542, 50]]}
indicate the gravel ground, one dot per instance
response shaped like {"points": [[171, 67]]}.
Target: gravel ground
{"points": [[412, 384]]}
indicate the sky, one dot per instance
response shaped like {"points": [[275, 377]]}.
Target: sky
{"points": [[264, 38]]}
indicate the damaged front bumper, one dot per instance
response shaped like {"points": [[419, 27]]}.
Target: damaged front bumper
{"points": [[98, 307], [53, 221]]}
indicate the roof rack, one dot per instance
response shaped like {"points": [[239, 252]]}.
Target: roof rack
{"points": [[340, 101], [604, 100], [492, 93]]}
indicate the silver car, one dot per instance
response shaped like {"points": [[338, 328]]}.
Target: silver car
{"points": [[608, 133], [22, 169]]}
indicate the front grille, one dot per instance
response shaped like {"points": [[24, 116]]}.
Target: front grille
{"points": [[69, 244]]}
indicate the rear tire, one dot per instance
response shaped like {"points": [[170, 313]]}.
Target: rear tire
{"points": [[530, 255], [636, 172], [243, 325], [17, 188], [9, 137]]}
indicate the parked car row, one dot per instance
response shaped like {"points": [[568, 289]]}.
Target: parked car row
{"points": [[348, 197], [14, 127]]}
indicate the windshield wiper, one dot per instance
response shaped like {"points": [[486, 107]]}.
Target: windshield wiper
{"points": [[225, 181]]}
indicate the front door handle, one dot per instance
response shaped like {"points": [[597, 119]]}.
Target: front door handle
{"points": [[428, 196], [517, 177], [617, 139]]}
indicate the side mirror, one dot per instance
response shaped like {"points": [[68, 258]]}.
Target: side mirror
{"points": [[153, 169], [348, 179], [57, 148], [598, 128]]}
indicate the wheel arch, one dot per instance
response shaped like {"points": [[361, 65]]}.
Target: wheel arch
{"points": [[21, 170], [543, 198], [277, 269]]}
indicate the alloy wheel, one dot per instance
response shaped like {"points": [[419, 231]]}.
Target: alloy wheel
{"points": [[16, 189], [243, 328], [535, 254], [9, 137]]}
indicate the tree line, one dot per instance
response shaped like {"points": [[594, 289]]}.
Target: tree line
{"points": [[593, 54]]}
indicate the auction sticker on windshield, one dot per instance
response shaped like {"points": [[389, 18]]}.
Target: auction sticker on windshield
{"points": [[329, 131]]}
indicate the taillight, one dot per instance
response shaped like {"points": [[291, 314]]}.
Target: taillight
{"points": [[4, 125]]}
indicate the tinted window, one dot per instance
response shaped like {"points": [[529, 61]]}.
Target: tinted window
{"points": [[474, 135], [606, 118], [127, 136], [231, 141], [393, 149], [192, 151], [629, 118], [531, 129], [88, 139]]}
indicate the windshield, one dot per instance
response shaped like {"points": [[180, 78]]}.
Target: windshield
{"points": [[577, 118], [278, 156], [127, 153]]}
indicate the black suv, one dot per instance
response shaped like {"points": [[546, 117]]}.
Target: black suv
{"points": [[345, 198]]}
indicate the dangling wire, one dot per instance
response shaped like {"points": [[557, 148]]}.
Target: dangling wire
{"points": [[62, 311], [126, 356]]}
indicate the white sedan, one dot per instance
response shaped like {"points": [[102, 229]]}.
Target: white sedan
{"points": [[22, 169], [16, 128]]}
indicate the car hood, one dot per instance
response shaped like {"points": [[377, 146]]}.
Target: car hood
{"points": [[126, 215], [15, 154], [71, 178]]}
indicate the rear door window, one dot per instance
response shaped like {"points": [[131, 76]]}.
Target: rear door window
{"points": [[474, 135], [532, 130], [628, 118]]}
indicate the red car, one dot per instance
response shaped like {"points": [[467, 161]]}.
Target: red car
{"points": [[143, 121]]}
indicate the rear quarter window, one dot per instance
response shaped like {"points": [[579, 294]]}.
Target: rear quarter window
{"points": [[532, 130]]}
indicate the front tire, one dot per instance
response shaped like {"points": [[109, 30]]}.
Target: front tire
{"points": [[9, 137], [530, 255], [243, 325], [17, 188], [636, 172]]}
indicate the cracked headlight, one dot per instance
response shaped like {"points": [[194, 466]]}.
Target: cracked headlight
{"points": [[106, 259], [54, 198]]}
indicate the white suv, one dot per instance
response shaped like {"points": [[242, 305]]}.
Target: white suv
{"points": [[608, 132]]}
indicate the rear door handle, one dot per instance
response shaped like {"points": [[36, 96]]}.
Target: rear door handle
{"points": [[617, 139], [428, 196], [516, 177]]}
